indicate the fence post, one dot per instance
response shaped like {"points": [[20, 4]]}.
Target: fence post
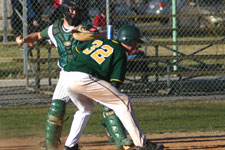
{"points": [[107, 12], [25, 45], [37, 79], [157, 63], [109, 26], [49, 66], [5, 40], [174, 22]]}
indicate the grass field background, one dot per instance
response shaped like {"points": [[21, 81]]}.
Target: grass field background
{"points": [[158, 117]]}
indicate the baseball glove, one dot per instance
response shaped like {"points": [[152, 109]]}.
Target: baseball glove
{"points": [[85, 33]]}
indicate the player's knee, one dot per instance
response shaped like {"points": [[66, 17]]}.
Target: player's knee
{"points": [[86, 110], [123, 108], [124, 99], [124, 103]]}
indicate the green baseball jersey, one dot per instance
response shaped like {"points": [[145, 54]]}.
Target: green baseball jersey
{"points": [[63, 41], [102, 58]]}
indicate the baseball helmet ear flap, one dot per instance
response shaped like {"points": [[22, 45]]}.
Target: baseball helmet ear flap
{"points": [[128, 34]]}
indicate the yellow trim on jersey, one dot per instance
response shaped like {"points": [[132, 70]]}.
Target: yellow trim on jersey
{"points": [[115, 41], [77, 49], [117, 80]]}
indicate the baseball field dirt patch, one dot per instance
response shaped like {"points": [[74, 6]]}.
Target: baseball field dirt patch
{"points": [[171, 141]]}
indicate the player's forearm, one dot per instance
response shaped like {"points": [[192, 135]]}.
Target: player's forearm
{"points": [[101, 34], [33, 37]]}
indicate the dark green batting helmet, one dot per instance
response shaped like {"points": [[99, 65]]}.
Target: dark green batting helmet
{"points": [[129, 33]]}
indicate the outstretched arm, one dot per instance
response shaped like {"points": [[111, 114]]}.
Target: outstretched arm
{"points": [[33, 37]]}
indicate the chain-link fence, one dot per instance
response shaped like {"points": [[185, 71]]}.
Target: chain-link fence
{"points": [[183, 55]]}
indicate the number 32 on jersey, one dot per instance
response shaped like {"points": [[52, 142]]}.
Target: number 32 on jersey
{"points": [[100, 51]]}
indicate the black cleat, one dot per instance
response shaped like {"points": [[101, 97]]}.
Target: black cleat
{"points": [[71, 148], [151, 146]]}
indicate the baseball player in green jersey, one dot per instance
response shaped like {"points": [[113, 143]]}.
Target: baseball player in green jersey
{"points": [[96, 74], [60, 36]]}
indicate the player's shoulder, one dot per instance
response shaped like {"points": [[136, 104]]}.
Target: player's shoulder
{"points": [[58, 22], [102, 41], [117, 45], [112, 43]]}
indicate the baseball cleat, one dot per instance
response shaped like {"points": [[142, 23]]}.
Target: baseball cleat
{"points": [[128, 147], [76, 147], [127, 142], [44, 146], [150, 146]]}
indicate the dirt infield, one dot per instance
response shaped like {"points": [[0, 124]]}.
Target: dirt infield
{"points": [[171, 141]]}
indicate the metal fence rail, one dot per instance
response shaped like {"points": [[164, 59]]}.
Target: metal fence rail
{"points": [[183, 55]]}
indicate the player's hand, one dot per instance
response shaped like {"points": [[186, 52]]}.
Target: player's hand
{"points": [[35, 23], [19, 40]]}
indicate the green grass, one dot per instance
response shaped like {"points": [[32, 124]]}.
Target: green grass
{"points": [[160, 117], [182, 116], [10, 50]]}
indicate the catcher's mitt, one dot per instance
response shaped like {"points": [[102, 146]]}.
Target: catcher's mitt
{"points": [[86, 33]]}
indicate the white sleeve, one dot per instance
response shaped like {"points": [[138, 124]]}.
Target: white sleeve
{"points": [[50, 34]]}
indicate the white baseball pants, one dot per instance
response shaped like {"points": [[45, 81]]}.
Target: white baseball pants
{"points": [[60, 92], [81, 116], [82, 89]]}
